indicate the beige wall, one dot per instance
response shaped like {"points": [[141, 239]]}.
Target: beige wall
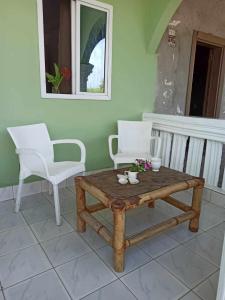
{"points": [[173, 63]]}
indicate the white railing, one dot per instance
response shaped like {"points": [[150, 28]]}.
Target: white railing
{"points": [[192, 145]]}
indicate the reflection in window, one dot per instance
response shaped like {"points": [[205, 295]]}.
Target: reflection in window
{"points": [[96, 80], [57, 41], [75, 43], [92, 50]]}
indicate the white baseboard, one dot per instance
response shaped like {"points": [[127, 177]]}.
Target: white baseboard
{"points": [[6, 193], [9, 192]]}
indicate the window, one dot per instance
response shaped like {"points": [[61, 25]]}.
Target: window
{"points": [[75, 45]]}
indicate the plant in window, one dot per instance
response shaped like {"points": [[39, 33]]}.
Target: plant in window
{"points": [[55, 79], [75, 37]]}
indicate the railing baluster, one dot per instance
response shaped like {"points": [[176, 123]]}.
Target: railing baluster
{"points": [[195, 153], [166, 147], [178, 152], [212, 164]]}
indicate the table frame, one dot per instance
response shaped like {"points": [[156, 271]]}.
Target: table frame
{"points": [[117, 240]]}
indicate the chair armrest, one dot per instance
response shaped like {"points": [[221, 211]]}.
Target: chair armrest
{"points": [[110, 140], [159, 142], [73, 141], [29, 151]]}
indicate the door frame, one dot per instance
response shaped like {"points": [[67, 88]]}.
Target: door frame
{"points": [[210, 39]]}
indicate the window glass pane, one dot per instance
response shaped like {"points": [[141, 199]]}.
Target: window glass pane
{"points": [[57, 42], [92, 49]]}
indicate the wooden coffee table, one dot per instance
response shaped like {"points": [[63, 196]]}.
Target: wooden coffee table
{"points": [[120, 198]]}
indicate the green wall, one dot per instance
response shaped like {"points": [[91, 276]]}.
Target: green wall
{"points": [[133, 81]]}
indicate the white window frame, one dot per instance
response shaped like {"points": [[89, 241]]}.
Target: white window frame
{"points": [[75, 50]]}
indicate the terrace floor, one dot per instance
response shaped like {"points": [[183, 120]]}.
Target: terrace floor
{"points": [[41, 261]]}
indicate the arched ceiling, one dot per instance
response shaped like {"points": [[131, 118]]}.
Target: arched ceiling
{"points": [[165, 14]]}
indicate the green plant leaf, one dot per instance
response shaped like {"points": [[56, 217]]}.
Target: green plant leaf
{"points": [[55, 79]]}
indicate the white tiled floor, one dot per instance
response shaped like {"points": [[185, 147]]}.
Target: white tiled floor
{"points": [[41, 261]]}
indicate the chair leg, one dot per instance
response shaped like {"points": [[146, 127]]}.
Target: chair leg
{"points": [[115, 166], [18, 196], [57, 204]]}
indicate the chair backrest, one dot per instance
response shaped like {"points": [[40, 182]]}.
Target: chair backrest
{"points": [[134, 136], [33, 136]]}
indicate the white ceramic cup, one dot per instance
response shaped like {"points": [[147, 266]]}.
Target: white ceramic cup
{"points": [[120, 176], [131, 175], [123, 181], [156, 164]]}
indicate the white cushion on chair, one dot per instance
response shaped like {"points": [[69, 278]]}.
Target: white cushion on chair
{"points": [[134, 142], [33, 136], [58, 171], [121, 158], [134, 136], [36, 154]]}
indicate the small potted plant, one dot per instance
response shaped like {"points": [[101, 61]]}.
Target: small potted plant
{"points": [[55, 79], [138, 167], [146, 164]]}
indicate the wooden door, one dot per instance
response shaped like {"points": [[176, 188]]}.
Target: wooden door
{"points": [[215, 74]]}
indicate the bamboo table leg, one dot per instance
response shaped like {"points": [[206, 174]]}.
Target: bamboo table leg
{"points": [[81, 205], [119, 238], [151, 204], [196, 206]]}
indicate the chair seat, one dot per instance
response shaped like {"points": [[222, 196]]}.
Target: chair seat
{"points": [[62, 170], [120, 158]]}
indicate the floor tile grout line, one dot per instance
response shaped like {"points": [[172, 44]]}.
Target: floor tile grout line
{"points": [[95, 250], [128, 288], [172, 275], [79, 258], [2, 291], [184, 283], [155, 259], [57, 236], [116, 274], [55, 270], [63, 284], [71, 259], [201, 255], [118, 279], [167, 251], [207, 278], [19, 250], [54, 267], [214, 226], [15, 226], [146, 253], [190, 291], [39, 243], [28, 278], [30, 246], [211, 227], [50, 265], [98, 289]]}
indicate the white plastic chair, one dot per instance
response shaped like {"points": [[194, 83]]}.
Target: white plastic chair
{"points": [[36, 156], [134, 142]]}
